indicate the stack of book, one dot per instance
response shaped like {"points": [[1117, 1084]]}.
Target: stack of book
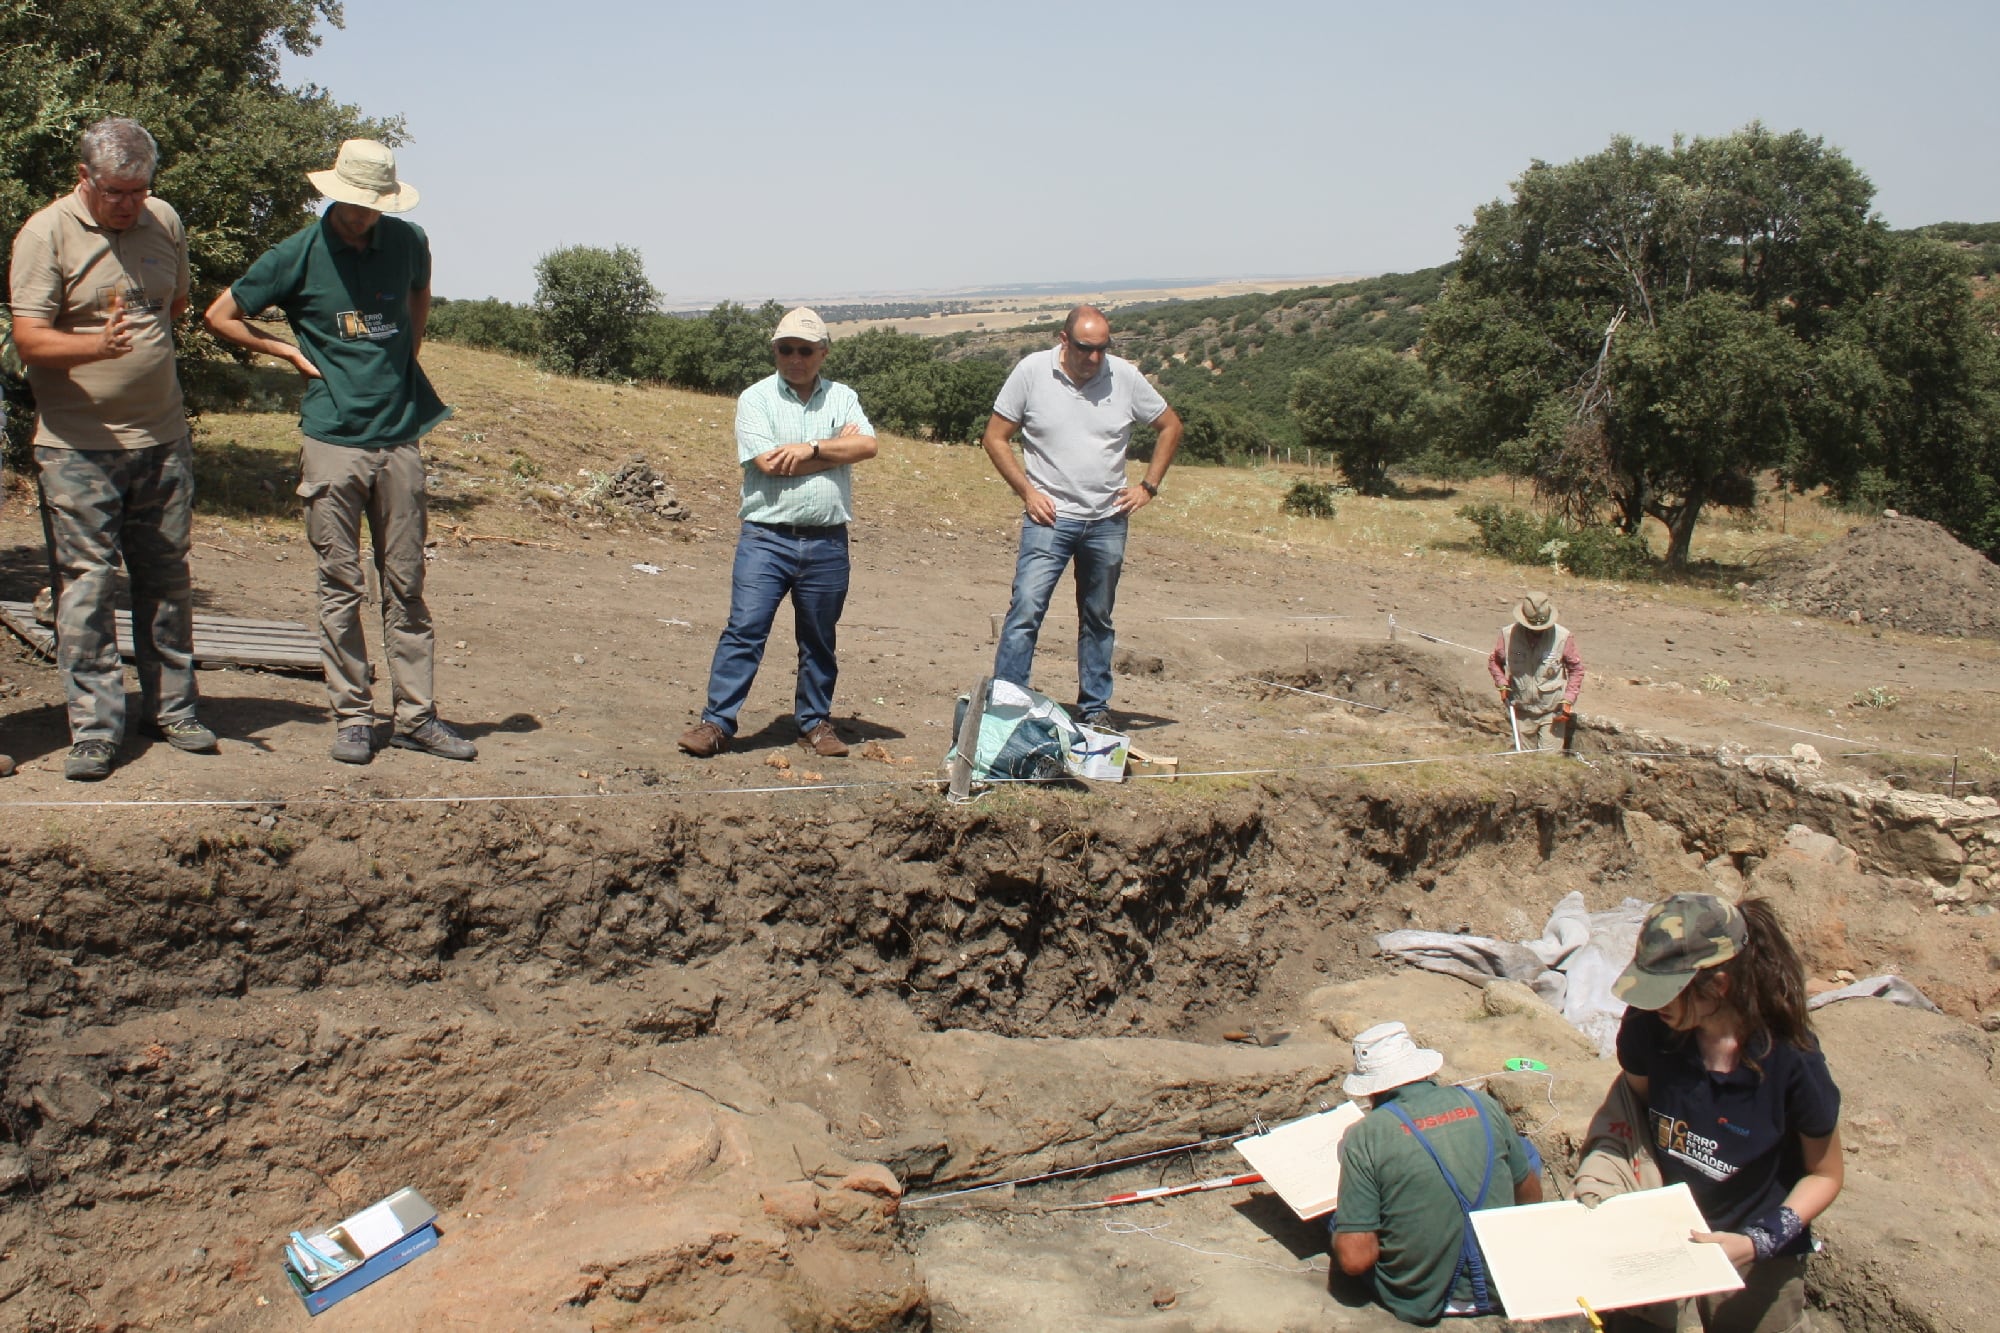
{"points": [[326, 1267]]}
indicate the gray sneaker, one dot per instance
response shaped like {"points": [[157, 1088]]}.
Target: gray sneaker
{"points": [[436, 737], [354, 744], [187, 734], [89, 761]]}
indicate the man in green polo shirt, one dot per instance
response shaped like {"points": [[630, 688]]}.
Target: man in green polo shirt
{"points": [[355, 286], [1412, 1171]]}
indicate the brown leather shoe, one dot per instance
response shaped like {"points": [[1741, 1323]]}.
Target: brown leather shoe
{"points": [[824, 741], [705, 740]]}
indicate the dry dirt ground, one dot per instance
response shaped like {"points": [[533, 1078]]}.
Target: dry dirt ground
{"points": [[680, 1043]]}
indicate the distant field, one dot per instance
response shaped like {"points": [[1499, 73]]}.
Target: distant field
{"points": [[1002, 312]]}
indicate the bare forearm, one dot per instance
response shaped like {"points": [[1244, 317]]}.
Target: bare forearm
{"points": [[52, 349], [1356, 1251], [843, 449], [1007, 465], [1826, 1172], [1165, 447]]}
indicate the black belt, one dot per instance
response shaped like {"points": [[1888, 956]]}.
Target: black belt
{"points": [[799, 529]]}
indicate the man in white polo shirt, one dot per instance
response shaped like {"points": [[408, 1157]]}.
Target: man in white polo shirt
{"points": [[1074, 405], [797, 438]]}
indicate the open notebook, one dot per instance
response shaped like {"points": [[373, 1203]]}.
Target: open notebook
{"points": [[1632, 1249]]}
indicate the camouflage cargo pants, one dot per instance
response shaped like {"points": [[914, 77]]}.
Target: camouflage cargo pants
{"points": [[101, 507], [341, 486]]}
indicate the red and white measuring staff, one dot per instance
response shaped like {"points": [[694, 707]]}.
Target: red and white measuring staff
{"points": [[1163, 1192]]}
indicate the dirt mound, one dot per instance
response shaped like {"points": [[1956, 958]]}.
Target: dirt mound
{"points": [[1903, 572]]}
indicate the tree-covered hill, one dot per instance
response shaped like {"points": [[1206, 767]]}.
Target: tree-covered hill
{"points": [[1228, 362]]}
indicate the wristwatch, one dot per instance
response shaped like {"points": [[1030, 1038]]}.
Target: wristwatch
{"points": [[1150, 489], [815, 451]]}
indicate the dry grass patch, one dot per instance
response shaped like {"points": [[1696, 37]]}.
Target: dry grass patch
{"points": [[522, 439]]}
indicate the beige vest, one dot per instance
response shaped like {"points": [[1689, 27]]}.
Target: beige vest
{"points": [[66, 269], [1535, 669]]}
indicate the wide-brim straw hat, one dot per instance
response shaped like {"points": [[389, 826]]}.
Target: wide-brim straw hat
{"points": [[1535, 612], [364, 174], [1386, 1056]]}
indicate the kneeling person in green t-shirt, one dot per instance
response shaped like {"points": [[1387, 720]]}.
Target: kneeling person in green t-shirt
{"points": [[1412, 1171], [355, 287]]}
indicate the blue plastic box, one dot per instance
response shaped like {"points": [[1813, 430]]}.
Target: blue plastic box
{"points": [[424, 1238]]}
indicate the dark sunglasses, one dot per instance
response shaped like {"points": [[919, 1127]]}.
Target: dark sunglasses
{"points": [[1091, 349], [797, 349]]}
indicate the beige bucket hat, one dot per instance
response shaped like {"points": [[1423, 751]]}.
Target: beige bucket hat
{"points": [[1386, 1056], [1536, 611], [364, 174]]}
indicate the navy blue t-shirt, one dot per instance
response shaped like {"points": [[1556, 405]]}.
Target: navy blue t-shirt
{"points": [[1733, 1138]]}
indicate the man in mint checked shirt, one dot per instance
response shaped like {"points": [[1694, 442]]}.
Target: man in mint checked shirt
{"points": [[355, 286], [798, 438]]}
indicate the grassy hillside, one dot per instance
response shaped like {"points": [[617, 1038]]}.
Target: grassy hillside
{"points": [[527, 453]]}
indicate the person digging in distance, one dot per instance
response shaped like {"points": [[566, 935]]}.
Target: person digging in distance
{"points": [[1539, 672], [1412, 1172], [98, 279], [355, 286], [1074, 406], [1722, 1069], [798, 437]]}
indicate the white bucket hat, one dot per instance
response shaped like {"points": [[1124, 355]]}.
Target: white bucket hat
{"points": [[1386, 1056], [364, 174]]}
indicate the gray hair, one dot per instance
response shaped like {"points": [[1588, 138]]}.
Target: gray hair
{"points": [[118, 149]]}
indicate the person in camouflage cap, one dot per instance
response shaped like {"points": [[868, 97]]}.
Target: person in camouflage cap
{"points": [[1681, 936], [1726, 1091]]}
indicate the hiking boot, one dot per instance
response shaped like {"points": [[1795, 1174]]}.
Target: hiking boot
{"points": [[187, 734], [354, 744], [824, 741], [1098, 721], [89, 761], [705, 740], [436, 737]]}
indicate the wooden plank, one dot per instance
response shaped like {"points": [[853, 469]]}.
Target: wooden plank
{"points": [[218, 640]]}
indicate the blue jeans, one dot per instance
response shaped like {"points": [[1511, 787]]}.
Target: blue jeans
{"points": [[1098, 548], [771, 561]]}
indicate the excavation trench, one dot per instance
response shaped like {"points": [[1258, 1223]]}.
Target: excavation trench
{"points": [[220, 1025]]}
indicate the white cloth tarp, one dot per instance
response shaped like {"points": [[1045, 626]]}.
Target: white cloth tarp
{"points": [[1572, 965], [1580, 953]]}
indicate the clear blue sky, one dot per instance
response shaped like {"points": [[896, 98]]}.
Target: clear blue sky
{"points": [[789, 150]]}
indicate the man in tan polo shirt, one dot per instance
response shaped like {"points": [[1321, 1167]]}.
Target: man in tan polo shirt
{"points": [[98, 278]]}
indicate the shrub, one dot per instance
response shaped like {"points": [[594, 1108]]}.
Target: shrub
{"points": [[1310, 499], [592, 305], [1597, 552], [498, 326]]}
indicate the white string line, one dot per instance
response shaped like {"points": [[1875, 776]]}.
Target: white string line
{"points": [[1849, 740], [1116, 1228]]}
